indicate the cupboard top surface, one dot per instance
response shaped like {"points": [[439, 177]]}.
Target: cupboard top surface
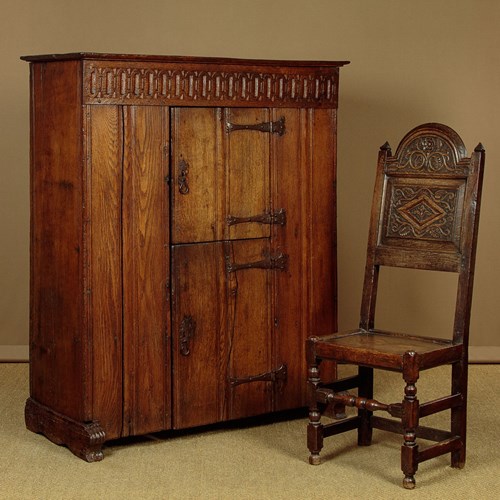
{"points": [[181, 59]]}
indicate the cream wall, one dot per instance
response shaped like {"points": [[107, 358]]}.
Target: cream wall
{"points": [[412, 62]]}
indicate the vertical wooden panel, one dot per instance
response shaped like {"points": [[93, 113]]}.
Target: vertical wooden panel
{"points": [[303, 166], [104, 132], [248, 329], [198, 293], [321, 239], [290, 303], [145, 270], [196, 206], [59, 344], [323, 227], [247, 172]]}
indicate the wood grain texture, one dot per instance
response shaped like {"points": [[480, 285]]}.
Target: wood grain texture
{"points": [[198, 291], [164, 290], [59, 340], [145, 271], [248, 330], [304, 173], [247, 173], [197, 216], [321, 203], [289, 333], [105, 152], [231, 338]]}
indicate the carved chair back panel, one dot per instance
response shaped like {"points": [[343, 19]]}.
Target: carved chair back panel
{"points": [[422, 200]]}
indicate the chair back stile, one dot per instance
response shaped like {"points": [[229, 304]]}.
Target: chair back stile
{"points": [[469, 246], [369, 299]]}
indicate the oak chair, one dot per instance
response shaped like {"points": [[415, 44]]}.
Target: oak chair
{"points": [[424, 216]]}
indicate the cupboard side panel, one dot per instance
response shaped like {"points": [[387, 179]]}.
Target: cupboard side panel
{"points": [[145, 270], [104, 133], [59, 347]]}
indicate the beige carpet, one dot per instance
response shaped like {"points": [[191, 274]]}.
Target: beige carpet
{"points": [[251, 462]]}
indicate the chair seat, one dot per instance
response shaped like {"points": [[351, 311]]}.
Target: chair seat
{"points": [[383, 349]]}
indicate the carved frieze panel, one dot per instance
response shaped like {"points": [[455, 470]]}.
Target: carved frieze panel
{"points": [[427, 154], [417, 212], [117, 82]]}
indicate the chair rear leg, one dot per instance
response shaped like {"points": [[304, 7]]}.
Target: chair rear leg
{"points": [[365, 390], [315, 427], [459, 414]]}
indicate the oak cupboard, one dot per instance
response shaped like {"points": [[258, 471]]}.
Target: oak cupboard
{"points": [[182, 240]]}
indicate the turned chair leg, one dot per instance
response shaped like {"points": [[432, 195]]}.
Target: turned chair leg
{"points": [[409, 450], [315, 427]]}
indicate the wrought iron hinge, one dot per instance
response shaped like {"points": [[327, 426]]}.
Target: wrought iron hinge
{"points": [[277, 127], [278, 261], [278, 375], [276, 217], [186, 333]]}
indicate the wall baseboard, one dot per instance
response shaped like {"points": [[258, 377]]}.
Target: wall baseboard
{"points": [[477, 354], [484, 354], [14, 353]]}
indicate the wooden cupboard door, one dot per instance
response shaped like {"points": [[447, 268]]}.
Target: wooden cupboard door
{"points": [[197, 175], [221, 324], [219, 174], [248, 333], [247, 172], [145, 254], [198, 307]]}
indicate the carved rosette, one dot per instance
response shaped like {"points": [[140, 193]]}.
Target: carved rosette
{"points": [[122, 83], [429, 154], [422, 213]]}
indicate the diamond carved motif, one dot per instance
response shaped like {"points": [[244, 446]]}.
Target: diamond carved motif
{"points": [[422, 212]]}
